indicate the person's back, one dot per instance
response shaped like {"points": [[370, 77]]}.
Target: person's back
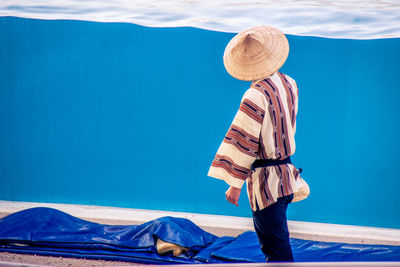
{"points": [[260, 141]]}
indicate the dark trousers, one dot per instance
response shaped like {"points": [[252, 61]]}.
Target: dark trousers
{"points": [[272, 231]]}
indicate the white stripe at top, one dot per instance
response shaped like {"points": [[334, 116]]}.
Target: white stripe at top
{"points": [[333, 19]]}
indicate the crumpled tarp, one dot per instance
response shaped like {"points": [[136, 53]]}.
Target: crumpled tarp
{"points": [[50, 232]]}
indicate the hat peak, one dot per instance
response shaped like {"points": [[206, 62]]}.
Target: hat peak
{"points": [[251, 39]]}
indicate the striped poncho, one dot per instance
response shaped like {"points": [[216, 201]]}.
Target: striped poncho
{"points": [[263, 128]]}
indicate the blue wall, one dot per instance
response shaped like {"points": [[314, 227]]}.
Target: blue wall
{"points": [[122, 115]]}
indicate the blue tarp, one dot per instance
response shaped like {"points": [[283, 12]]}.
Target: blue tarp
{"points": [[50, 232]]}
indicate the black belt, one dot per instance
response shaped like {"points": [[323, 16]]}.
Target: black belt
{"points": [[270, 162]]}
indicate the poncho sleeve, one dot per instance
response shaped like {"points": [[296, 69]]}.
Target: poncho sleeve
{"points": [[237, 152]]}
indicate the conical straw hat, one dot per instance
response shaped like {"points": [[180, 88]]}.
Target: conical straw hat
{"points": [[256, 53]]}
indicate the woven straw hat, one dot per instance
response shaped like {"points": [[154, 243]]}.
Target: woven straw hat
{"points": [[256, 53]]}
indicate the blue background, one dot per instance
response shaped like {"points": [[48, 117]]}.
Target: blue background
{"points": [[116, 114]]}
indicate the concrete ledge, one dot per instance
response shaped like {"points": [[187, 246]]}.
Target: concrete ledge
{"points": [[227, 225]]}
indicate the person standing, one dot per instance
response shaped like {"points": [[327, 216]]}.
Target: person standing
{"points": [[260, 140]]}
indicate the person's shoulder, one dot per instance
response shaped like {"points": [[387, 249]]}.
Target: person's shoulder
{"points": [[254, 97], [289, 79], [253, 93]]}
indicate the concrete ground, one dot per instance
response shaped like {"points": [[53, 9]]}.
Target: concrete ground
{"points": [[58, 261]]}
